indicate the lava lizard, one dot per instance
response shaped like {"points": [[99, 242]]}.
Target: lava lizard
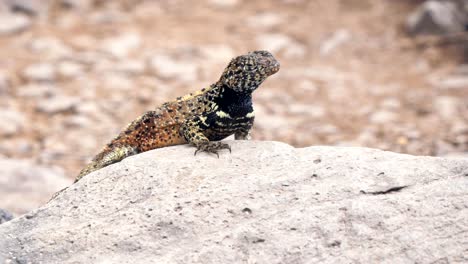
{"points": [[200, 119]]}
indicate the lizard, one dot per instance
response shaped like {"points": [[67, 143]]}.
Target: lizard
{"points": [[202, 118]]}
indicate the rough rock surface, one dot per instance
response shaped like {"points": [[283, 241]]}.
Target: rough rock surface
{"points": [[267, 202]]}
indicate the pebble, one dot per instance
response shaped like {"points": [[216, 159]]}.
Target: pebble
{"points": [[225, 3], [12, 122], [383, 117], [446, 106], [453, 83], [69, 69], [36, 90], [217, 53], [13, 23], [50, 47], [264, 20], [391, 104], [57, 104], [131, 66], [4, 83], [168, 68], [338, 39], [30, 7], [121, 46], [40, 72]]}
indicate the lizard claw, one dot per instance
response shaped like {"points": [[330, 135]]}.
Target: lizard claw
{"points": [[212, 147]]}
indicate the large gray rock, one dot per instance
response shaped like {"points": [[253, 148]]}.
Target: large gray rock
{"points": [[267, 202]]}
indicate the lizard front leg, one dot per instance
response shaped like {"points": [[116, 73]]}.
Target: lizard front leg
{"points": [[242, 135], [192, 132]]}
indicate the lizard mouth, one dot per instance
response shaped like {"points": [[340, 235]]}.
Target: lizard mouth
{"points": [[272, 67]]}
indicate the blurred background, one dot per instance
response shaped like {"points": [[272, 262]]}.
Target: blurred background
{"points": [[388, 74]]}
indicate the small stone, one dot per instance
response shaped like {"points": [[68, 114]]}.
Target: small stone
{"points": [[4, 83], [29, 7], [446, 106], [70, 69], [391, 104], [34, 90], [264, 20], [117, 82], [12, 122], [13, 23], [314, 111], [383, 117], [121, 46], [453, 83], [338, 38], [77, 121], [168, 68], [57, 104], [217, 53], [50, 47], [225, 3], [131, 67], [41, 72]]}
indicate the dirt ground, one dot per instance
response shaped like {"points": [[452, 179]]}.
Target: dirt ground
{"points": [[350, 75]]}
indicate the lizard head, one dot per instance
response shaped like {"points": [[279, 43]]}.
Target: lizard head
{"points": [[246, 72]]}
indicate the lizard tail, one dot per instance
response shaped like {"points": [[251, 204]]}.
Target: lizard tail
{"points": [[106, 158]]}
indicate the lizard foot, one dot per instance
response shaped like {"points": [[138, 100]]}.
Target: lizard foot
{"points": [[212, 147]]}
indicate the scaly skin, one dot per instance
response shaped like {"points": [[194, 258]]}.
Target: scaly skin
{"points": [[200, 119]]}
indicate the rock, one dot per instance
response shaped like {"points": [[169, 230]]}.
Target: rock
{"points": [[167, 67], [25, 185], [383, 117], [313, 111], [115, 81], [5, 84], [69, 69], [437, 17], [446, 106], [50, 48], [57, 104], [34, 90], [338, 38], [13, 23], [5, 216], [30, 7], [78, 4], [217, 53], [225, 3], [264, 20], [391, 104], [455, 82], [40, 72], [11, 121], [267, 202], [132, 67], [121, 46]]}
